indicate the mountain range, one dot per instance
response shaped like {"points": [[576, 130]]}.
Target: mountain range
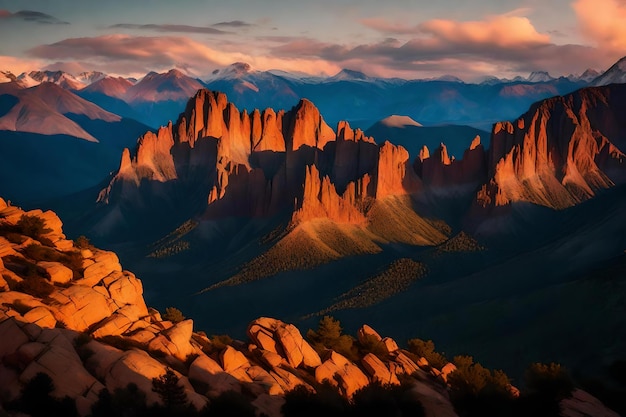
{"points": [[417, 211]]}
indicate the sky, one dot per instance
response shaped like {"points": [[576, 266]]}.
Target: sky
{"points": [[391, 38]]}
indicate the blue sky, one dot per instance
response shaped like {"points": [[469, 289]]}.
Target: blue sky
{"points": [[410, 39]]}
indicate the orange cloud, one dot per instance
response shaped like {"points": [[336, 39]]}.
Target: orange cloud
{"points": [[19, 65], [136, 54], [503, 31], [603, 21]]}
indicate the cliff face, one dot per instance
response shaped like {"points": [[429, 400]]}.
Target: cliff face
{"points": [[261, 163], [561, 152]]}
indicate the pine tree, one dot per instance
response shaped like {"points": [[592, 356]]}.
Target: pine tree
{"points": [[172, 394]]}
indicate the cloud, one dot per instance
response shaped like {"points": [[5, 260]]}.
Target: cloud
{"points": [[32, 16], [124, 54], [233, 24], [446, 47], [170, 28], [503, 30], [19, 65], [604, 22]]}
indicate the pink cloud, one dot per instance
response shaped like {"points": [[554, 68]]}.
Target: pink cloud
{"points": [[502, 31], [137, 54], [603, 21]]}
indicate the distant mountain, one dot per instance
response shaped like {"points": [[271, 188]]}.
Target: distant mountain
{"points": [[252, 89], [42, 109], [61, 78], [539, 77], [56, 142], [614, 75], [349, 75]]}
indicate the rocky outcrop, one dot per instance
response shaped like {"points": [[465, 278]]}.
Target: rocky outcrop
{"points": [[439, 171], [256, 164], [560, 153]]}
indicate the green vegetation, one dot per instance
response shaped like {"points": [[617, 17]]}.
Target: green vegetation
{"points": [[129, 401], [34, 281], [173, 314], [329, 336], [31, 226], [82, 242], [426, 349], [72, 260], [375, 400], [170, 391], [396, 278], [170, 250], [36, 400], [460, 243]]}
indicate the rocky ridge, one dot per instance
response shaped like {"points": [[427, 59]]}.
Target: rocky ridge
{"points": [[92, 330], [560, 153]]}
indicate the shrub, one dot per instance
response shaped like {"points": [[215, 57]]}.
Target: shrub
{"points": [[326, 401], [36, 286], [128, 401], [82, 242], [36, 399], [171, 393], [378, 400], [477, 391], [371, 344], [173, 314], [32, 226], [426, 349], [231, 404], [219, 342], [552, 379], [329, 336], [72, 260]]}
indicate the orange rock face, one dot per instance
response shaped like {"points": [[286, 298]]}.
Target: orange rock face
{"points": [[260, 163], [559, 153]]}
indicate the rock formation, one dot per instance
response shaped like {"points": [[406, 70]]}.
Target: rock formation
{"points": [[256, 164], [560, 153], [92, 330]]}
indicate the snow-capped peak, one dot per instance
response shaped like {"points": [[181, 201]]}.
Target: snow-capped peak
{"points": [[350, 75], [614, 75], [540, 77]]}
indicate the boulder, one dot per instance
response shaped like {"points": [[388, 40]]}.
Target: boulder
{"points": [[175, 341], [390, 345], [446, 370], [41, 316], [338, 370], [12, 337], [58, 273], [272, 359], [6, 248], [61, 362], [262, 378], [205, 370], [136, 366], [233, 359], [104, 264], [285, 339], [435, 403], [79, 307], [583, 404], [366, 332], [404, 363], [378, 370]]}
